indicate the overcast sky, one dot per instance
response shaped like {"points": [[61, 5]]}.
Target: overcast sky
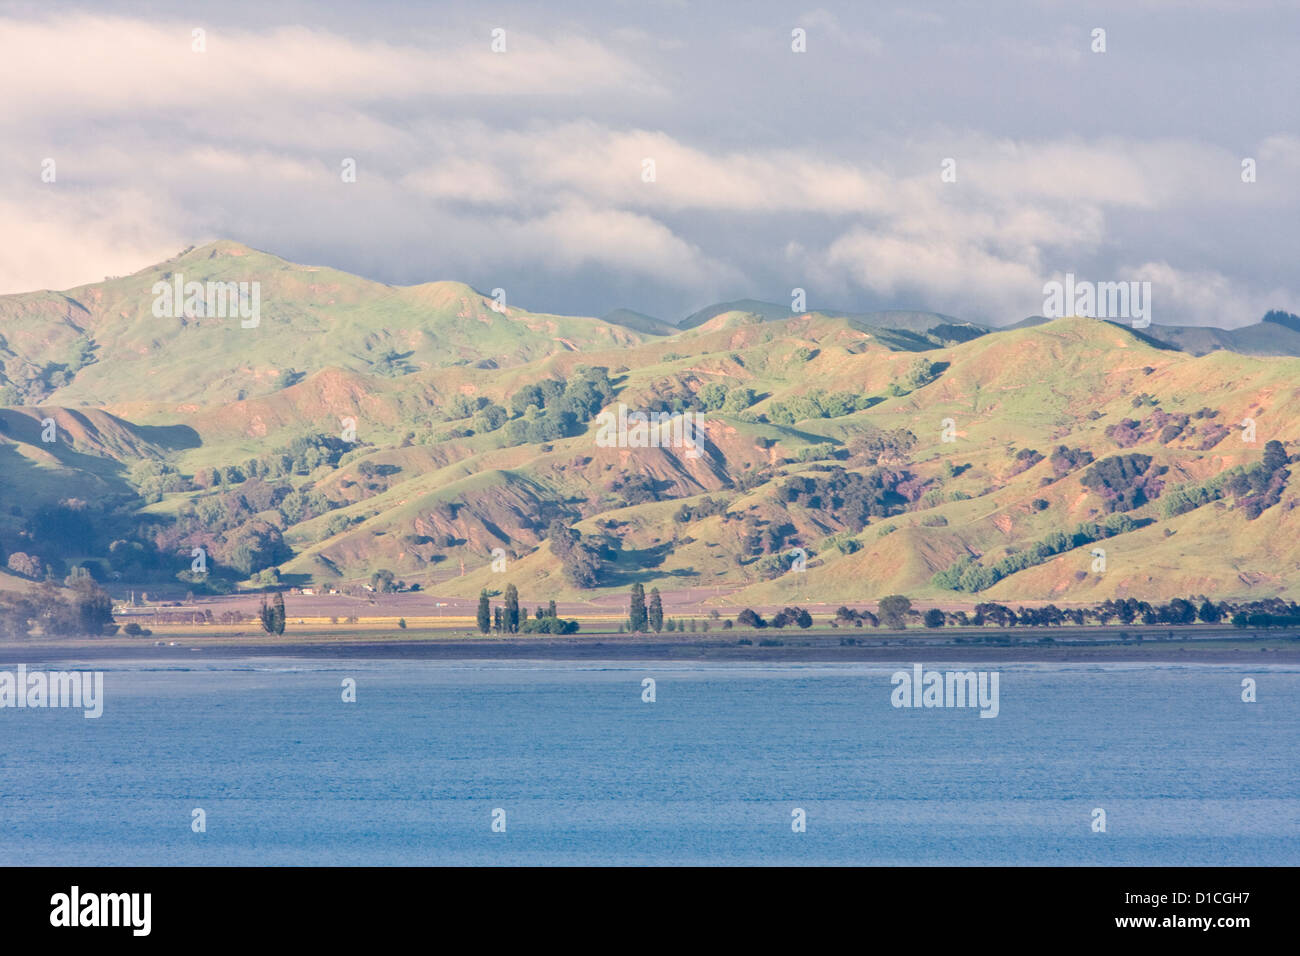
{"points": [[773, 169]]}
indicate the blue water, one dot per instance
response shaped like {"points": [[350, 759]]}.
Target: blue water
{"points": [[589, 774]]}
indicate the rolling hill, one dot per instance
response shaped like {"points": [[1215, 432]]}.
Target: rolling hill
{"points": [[433, 433]]}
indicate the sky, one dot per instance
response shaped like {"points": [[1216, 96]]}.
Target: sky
{"points": [[526, 169]]}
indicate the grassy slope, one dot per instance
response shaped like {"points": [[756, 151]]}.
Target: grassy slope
{"points": [[1027, 388]]}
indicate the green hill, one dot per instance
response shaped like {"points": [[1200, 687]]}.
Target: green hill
{"points": [[361, 427]]}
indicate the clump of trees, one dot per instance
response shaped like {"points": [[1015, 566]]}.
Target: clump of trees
{"points": [[792, 617], [553, 408], [1025, 459], [1271, 613], [881, 446], [84, 610], [817, 403], [1254, 489], [1065, 460], [1125, 482], [729, 400], [921, 373], [854, 497], [550, 625], [508, 618], [1260, 486], [846, 615], [749, 618], [704, 508]]}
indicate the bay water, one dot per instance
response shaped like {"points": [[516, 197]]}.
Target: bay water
{"points": [[578, 768]]}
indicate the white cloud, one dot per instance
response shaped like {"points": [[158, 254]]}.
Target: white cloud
{"points": [[473, 163], [85, 64]]}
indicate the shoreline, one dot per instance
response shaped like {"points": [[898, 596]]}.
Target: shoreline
{"points": [[1281, 649]]}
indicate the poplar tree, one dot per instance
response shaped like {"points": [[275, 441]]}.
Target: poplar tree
{"points": [[272, 615], [636, 611], [512, 609], [277, 607], [656, 611]]}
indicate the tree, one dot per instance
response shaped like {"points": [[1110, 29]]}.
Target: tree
{"points": [[15, 612], [382, 581], [893, 610], [712, 396], [89, 612], [25, 564], [580, 559], [550, 625], [550, 609], [933, 617], [484, 612], [272, 615], [1210, 612], [1275, 456], [748, 618], [922, 373], [512, 609], [636, 610], [656, 611]]}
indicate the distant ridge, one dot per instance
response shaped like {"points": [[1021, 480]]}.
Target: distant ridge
{"points": [[639, 322], [1277, 333]]}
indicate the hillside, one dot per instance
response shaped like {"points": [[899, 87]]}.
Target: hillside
{"points": [[361, 428], [103, 344]]}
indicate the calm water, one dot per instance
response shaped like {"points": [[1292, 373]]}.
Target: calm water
{"points": [[587, 773]]}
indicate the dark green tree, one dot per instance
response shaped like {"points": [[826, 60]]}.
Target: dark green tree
{"points": [[656, 611], [893, 610], [272, 615], [512, 609], [1275, 456], [277, 606], [484, 613], [636, 610]]}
